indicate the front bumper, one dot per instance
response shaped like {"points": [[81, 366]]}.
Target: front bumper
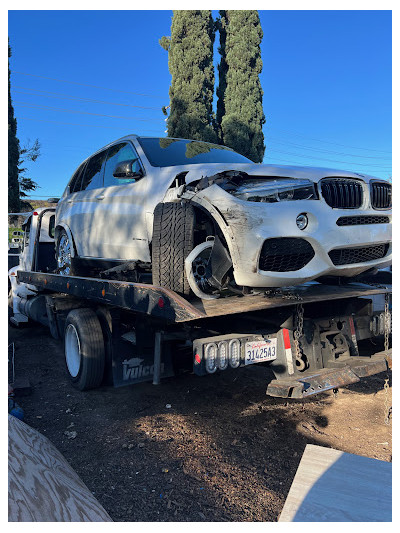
{"points": [[251, 224]]}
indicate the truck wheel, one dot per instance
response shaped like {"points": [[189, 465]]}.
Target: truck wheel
{"points": [[84, 349], [63, 254], [173, 240]]}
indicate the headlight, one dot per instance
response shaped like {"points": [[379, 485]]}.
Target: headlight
{"points": [[276, 190]]}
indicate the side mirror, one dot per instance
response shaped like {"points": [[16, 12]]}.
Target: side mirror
{"points": [[128, 169]]}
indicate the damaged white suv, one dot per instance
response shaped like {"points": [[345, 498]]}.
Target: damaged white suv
{"points": [[200, 216]]}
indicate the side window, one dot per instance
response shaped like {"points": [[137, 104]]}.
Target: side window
{"points": [[93, 176], [117, 154], [75, 183]]}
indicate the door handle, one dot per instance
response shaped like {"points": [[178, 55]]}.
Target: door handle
{"points": [[69, 201], [100, 197]]}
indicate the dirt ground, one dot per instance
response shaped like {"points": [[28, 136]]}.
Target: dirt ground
{"points": [[192, 449]]}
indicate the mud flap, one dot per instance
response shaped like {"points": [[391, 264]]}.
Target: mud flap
{"points": [[132, 356]]}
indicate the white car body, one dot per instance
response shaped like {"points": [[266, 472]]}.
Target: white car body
{"points": [[116, 222]]}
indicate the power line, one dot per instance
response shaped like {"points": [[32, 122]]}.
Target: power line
{"points": [[85, 125], [301, 164], [61, 96], [86, 85], [26, 104], [41, 195], [322, 150], [328, 142], [329, 160]]}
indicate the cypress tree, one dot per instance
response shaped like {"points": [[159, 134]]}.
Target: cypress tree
{"points": [[14, 204], [240, 115], [190, 62]]}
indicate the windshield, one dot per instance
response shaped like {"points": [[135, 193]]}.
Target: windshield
{"points": [[165, 152]]}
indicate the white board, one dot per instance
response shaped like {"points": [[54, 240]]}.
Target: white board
{"points": [[334, 486]]}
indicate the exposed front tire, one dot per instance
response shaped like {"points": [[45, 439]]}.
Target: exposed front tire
{"points": [[173, 240], [84, 349], [64, 255]]}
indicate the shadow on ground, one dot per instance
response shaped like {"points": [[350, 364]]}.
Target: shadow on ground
{"points": [[223, 451]]}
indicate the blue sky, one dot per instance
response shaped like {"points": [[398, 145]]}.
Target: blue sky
{"points": [[326, 81]]}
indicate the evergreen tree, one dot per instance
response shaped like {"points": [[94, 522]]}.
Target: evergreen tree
{"points": [[19, 185], [190, 62], [240, 115], [14, 204], [30, 152]]}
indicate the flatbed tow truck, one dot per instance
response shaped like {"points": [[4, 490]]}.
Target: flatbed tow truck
{"points": [[121, 332]]}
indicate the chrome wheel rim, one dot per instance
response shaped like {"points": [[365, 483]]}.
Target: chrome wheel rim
{"points": [[64, 256], [72, 350]]}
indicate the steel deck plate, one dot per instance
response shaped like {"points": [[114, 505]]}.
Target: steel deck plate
{"points": [[167, 305]]}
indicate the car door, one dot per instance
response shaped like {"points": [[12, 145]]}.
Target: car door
{"points": [[85, 201], [120, 218]]}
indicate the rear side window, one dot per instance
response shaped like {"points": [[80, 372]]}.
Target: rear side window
{"points": [[52, 223], [93, 176], [117, 154], [75, 183]]}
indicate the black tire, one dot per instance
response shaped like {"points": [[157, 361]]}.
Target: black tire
{"points": [[72, 270], [85, 369], [173, 240]]}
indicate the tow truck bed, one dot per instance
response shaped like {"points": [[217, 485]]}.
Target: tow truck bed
{"points": [[167, 305], [155, 317]]}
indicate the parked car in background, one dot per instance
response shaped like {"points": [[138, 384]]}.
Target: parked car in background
{"points": [[168, 202]]}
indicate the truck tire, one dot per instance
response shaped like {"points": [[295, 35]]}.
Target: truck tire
{"points": [[84, 349], [173, 240]]}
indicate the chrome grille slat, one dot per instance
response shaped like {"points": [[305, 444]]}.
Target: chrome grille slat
{"points": [[342, 193], [381, 195]]}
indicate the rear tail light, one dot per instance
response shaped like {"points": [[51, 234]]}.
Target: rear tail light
{"points": [[210, 356], [234, 353], [223, 358]]}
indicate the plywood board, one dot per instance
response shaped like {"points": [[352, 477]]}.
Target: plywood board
{"points": [[42, 486], [334, 486]]}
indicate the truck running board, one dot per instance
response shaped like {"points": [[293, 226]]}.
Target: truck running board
{"points": [[330, 378], [17, 319]]}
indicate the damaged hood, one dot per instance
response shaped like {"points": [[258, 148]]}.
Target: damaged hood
{"points": [[315, 174]]}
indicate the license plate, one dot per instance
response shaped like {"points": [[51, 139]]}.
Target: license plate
{"points": [[259, 351]]}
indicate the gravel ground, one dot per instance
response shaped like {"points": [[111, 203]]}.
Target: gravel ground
{"points": [[221, 451]]}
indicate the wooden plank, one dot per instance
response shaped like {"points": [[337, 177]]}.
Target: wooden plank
{"points": [[42, 486], [334, 486]]}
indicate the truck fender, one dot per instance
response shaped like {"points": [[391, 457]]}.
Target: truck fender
{"points": [[18, 290]]}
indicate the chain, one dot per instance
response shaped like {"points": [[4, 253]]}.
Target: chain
{"points": [[387, 322], [285, 295], [298, 332], [388, 408]]}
